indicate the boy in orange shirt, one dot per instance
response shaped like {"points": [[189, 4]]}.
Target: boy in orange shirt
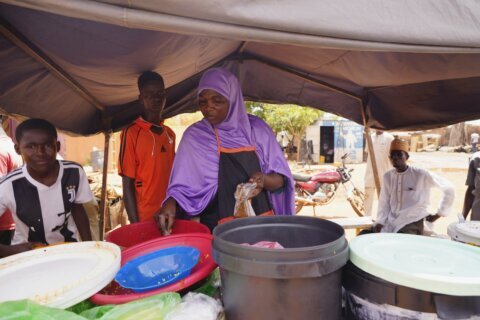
{"points": [[146, 152]]}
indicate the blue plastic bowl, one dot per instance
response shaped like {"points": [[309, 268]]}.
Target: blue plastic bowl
{"points": [[157, 269]]}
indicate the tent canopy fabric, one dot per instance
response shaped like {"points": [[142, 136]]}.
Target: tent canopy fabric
{"points": [[407, 64]]}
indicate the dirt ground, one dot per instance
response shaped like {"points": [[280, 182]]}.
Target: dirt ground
{"points": [[452, 166]]}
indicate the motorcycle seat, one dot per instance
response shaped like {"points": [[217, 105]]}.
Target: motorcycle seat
{"points": [[301, 177]]}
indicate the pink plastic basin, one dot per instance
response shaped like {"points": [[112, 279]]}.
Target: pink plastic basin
{"points": [[115, 294], [136, 233]]}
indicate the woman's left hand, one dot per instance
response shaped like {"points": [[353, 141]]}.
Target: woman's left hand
{"points": [[259, 179]]}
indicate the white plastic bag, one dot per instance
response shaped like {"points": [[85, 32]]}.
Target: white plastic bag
{"points": [[196, 306]]}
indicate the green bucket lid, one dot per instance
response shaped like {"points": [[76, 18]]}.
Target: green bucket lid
{"points": [[419, 262]]}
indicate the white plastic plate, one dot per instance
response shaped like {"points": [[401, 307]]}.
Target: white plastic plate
{"points": [[454, 234], [419, 262], [59, 276], [469, 228]]}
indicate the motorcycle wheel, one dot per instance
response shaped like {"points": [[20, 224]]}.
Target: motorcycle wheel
{"points": [[358, 202]]}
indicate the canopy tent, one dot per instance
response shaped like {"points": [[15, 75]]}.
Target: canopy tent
{"points": [[384, 63], [404, 64]]}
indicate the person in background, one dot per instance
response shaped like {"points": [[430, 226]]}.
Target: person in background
{"points": [[46, 195], [405, 195], [472, 194], [474, 141], [381, 146], [9, 160], [146, 153], [226, 148]]}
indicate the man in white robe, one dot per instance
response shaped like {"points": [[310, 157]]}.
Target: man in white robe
{"points": [[381, 147], [405, 195]]}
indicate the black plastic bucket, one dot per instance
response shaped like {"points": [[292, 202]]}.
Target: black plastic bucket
{"points": [[369, 297], [302, 281]]}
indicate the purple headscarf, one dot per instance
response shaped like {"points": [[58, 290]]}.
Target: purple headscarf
{"points": [[194, 177]]}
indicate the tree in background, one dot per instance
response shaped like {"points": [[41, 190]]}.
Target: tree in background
{"points": [[291, 118], [458, 135]]}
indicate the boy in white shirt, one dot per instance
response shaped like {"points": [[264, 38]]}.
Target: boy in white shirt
{"points": [[45, 196]]}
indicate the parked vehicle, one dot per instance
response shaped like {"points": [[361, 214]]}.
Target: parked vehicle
{"points": [[320, 188]]}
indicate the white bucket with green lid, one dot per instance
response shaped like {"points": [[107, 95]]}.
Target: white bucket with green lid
{"points": [[398, 274], [424, 263]]}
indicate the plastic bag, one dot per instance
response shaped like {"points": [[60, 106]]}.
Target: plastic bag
{"points": [[243, 207], [265, 245], [211, 287], [196, 306], [28, 310], [150, 308], [96, 312], [81, 306]]}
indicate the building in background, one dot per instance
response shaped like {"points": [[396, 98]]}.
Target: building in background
{"points": [[331, 139]]}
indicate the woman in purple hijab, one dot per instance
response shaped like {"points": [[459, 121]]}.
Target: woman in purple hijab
{"points": [[227, 147]]}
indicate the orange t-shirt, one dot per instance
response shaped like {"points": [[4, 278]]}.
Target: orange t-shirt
{"points": [[147, 157]]}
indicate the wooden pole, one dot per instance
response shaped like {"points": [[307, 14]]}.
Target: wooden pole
{"points": [[104, 216], [371, 152]]}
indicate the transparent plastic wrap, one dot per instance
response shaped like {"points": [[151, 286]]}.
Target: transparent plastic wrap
{"points": [[243, 207], [196, 306]]}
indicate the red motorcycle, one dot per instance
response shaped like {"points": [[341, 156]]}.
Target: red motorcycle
{"points": [[319, 189]]}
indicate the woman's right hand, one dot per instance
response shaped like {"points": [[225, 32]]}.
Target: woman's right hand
{"points": [[166, 216]]}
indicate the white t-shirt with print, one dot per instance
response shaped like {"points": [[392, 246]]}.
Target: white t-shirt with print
{"points": [[43, 213]]}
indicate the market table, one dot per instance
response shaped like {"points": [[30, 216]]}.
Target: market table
{"points": [[357, 223]]}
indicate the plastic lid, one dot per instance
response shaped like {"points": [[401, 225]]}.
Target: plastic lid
{"points": [[469, 228], [454, 234], [157, 269], [429, 264], [61, 275], [114, 294]]}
